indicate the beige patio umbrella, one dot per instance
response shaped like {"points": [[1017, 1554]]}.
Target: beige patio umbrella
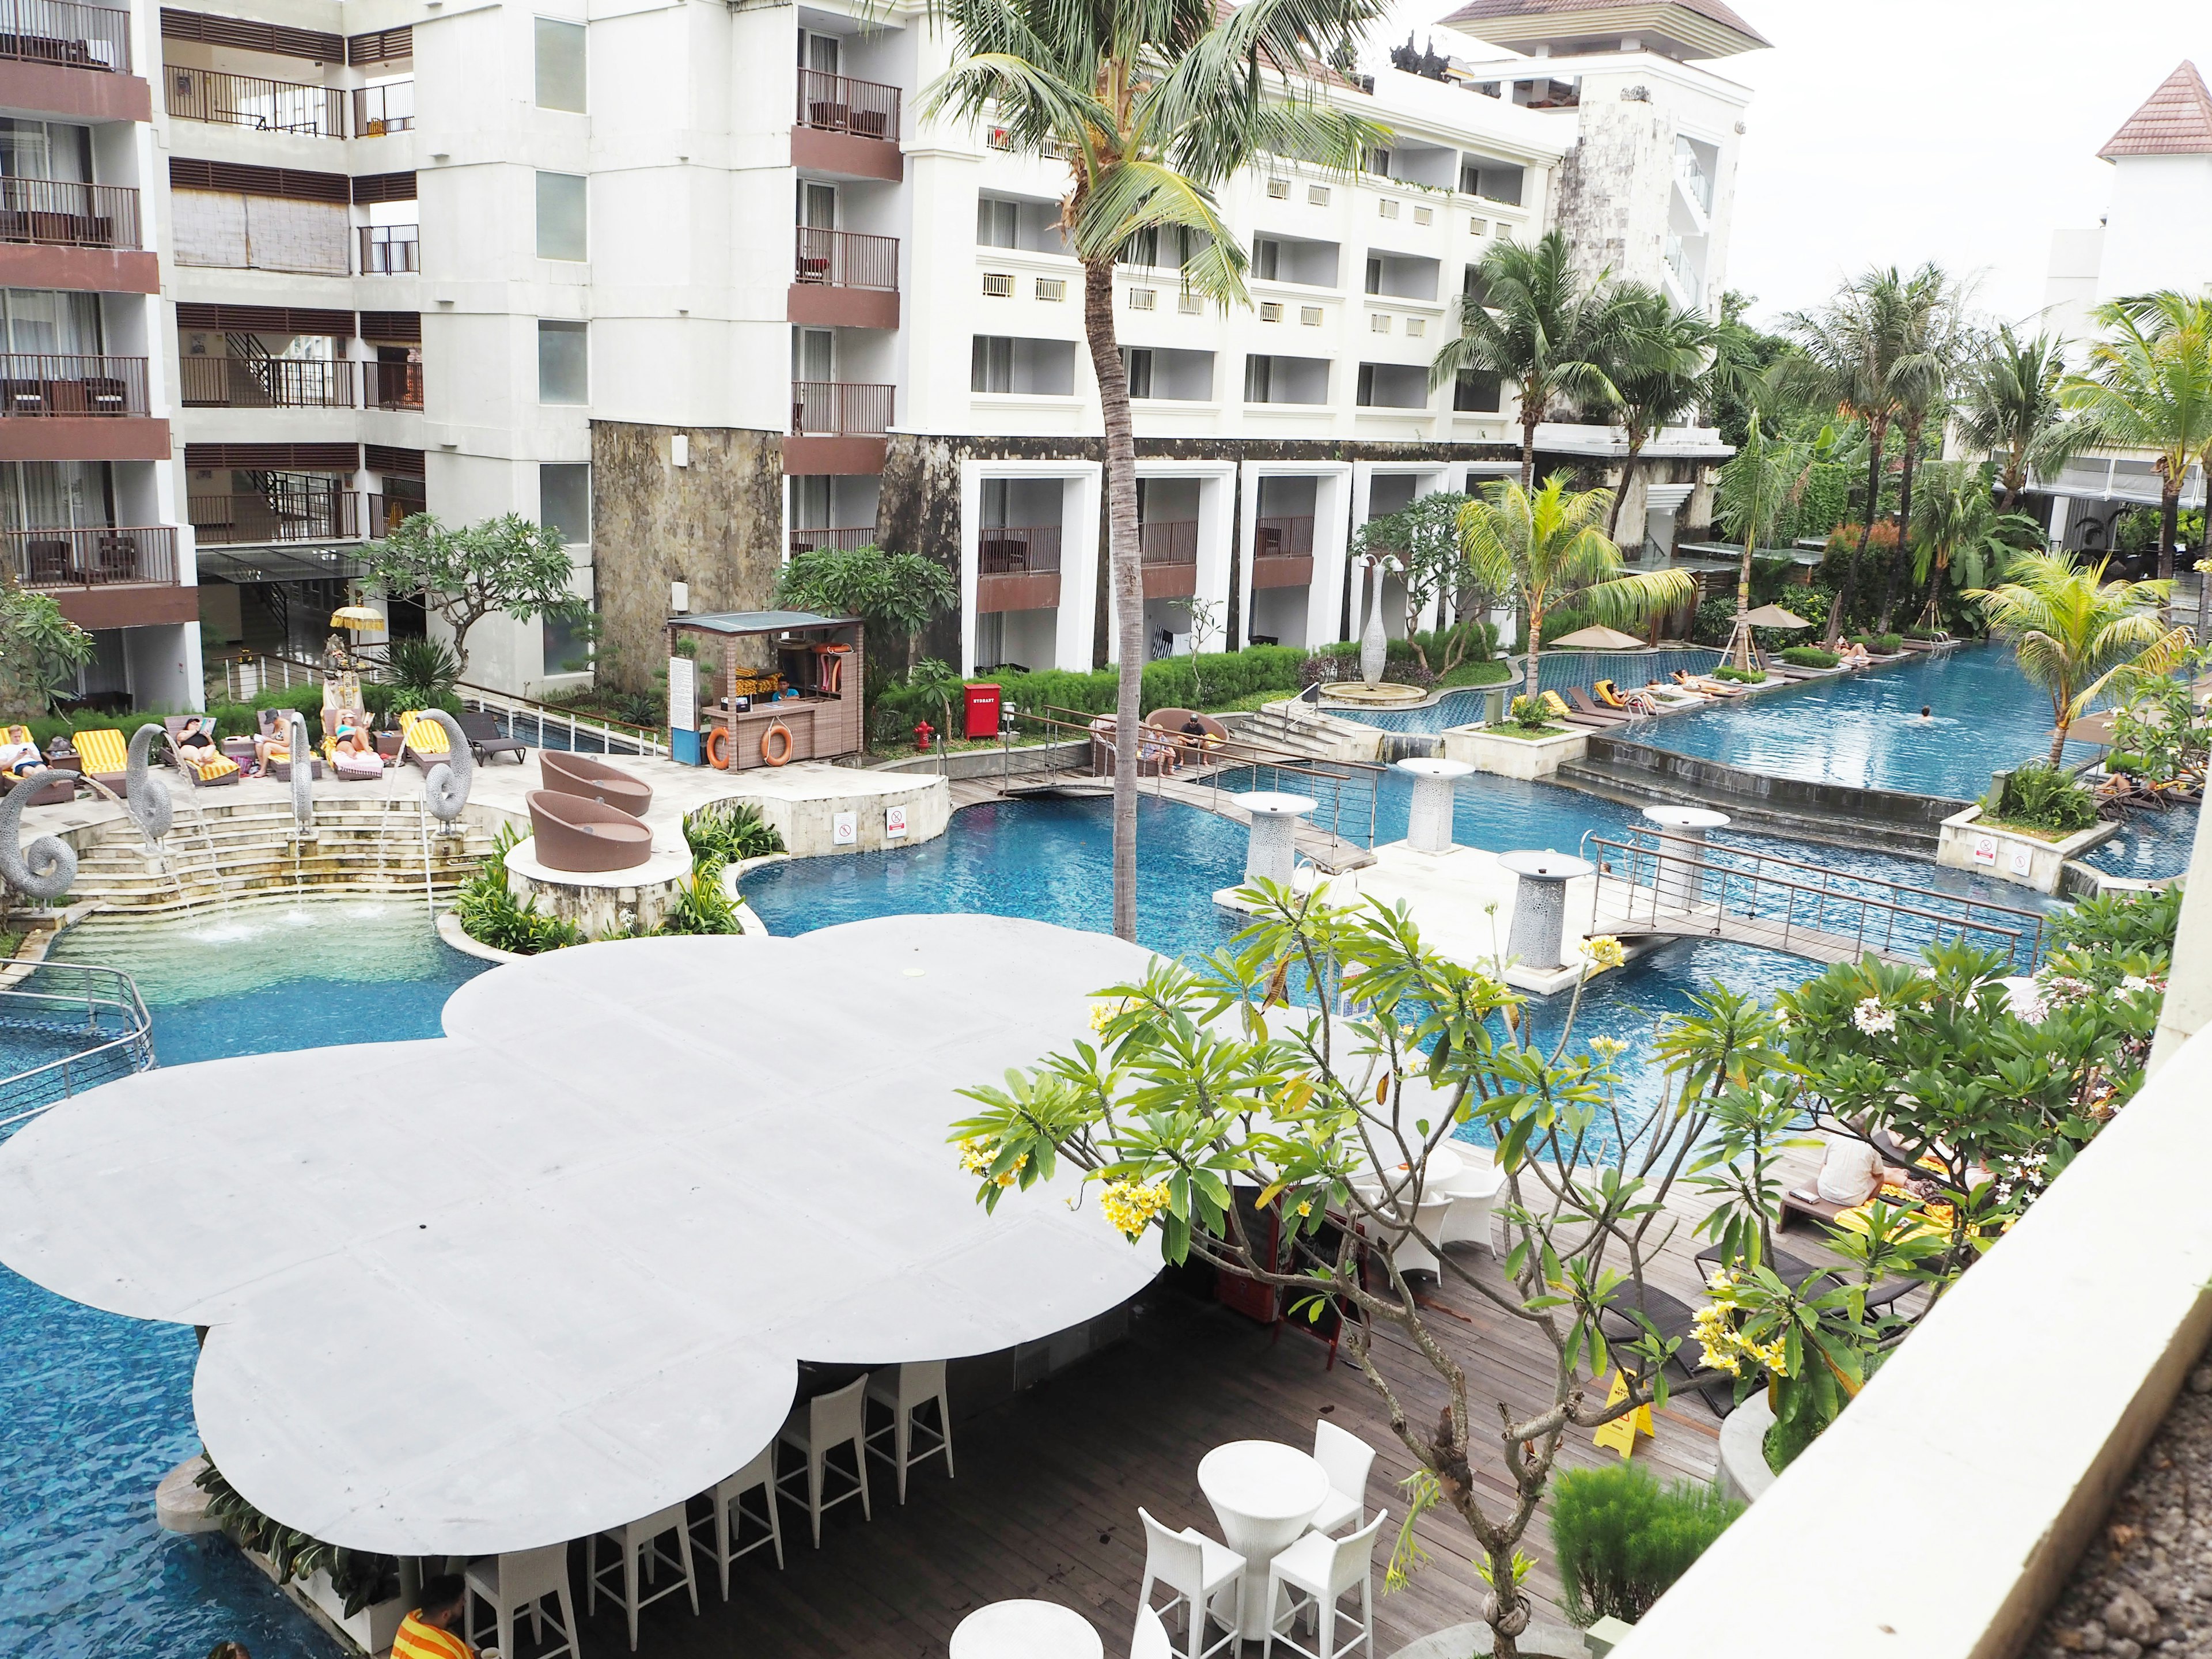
{"points": [[1773, 616], [1596, 637], [358, 619]]}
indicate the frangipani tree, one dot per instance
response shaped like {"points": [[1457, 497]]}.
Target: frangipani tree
{"points": [[2070, 629], [1152, 105], [1548, 548], [1226, 1124]]}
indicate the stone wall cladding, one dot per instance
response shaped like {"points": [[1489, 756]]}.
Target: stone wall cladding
{"points": [[1614, 191], [716, 524]]}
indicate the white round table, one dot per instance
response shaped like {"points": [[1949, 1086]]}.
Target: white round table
{"points": [[1263, 1493], [1026, 1630]]}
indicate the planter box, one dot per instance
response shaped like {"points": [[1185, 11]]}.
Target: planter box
{"points": [[1513, 757], [370, 1631], [1964, 843]]}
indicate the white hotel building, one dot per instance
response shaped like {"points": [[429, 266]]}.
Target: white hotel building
{"points": [[697, 282]]}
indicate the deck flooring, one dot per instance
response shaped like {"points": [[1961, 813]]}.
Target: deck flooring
{"points": [[1049, 1481]]}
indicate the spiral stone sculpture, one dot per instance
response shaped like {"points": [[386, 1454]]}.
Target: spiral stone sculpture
{"points": [[303, 768], [44, 869], [146, 797], [446, 791]]}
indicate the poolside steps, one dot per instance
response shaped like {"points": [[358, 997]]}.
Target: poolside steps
{"points": [[1304, 730]]}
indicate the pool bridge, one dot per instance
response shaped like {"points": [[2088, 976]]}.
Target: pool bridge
{"points": [[91, 1022]]}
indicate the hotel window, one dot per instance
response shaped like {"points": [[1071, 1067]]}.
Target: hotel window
{"points": [[564, 500], [991, 364], [561, 216], [563, 363], [561, 74], [1477, 392]]}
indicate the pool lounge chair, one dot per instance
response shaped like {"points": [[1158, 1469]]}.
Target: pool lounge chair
{"points": [[204, 775], [1555, 707], [594, 780], [105, 755], [484, 739], [57, 787], [1609, 716], [272, 723], [576, 834]]}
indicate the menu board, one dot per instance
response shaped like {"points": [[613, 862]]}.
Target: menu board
{"points": [[683, 695]]}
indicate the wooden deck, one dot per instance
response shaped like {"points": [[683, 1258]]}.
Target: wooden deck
{"points": [[1050, 1478]]}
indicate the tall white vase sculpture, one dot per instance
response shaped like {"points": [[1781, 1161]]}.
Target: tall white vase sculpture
{"points": [[1374, 643]]}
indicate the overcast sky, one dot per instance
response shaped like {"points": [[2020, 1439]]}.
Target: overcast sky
{"points": [[1962, 130]]}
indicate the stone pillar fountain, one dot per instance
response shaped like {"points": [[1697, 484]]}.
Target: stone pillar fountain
{"points": [[1272, 854], [1539, 905], [1680, 880], [1428, 825]]}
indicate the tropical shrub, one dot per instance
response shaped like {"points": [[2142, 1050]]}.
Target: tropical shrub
{"points": [[491, 914], [1530, 714], [360, 1576], [423, 670], [702, 906], [2128, 923], [1809, 656], [2042, 797], [1883, 645], [731, 831], [1168, 683], [1622, 1539], [1742, 676]]}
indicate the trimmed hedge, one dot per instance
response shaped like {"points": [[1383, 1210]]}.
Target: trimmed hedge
{"points": [[1809, 656], [1169, 683]]}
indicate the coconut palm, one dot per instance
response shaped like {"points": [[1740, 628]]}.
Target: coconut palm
{"points": [[1764, 476], [1958, 531], [1548, 548], [2009, 405], [2071, 629], [1659, 357], [1932, 313], [2149, 386], [1528, 318], [1152, 105]]}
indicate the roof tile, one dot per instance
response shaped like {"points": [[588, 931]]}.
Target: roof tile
{"points": [[2175, 120]]}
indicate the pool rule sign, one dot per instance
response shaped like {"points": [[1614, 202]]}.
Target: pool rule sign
{"points": [[683, 709]]}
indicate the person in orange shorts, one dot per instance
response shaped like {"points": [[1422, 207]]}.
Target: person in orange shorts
{"points": [[433, 1630]]}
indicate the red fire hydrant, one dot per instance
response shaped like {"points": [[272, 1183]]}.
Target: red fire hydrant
{"points": [[922, 733]]}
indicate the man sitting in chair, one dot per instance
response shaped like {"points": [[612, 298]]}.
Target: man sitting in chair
{"points": [[17, 758], [432, 1630]]}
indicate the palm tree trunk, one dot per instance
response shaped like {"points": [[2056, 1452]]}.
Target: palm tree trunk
{"points": [[2169, 522], [2058, 740], [1877, 437], [1620, 495], [1939, 561], [1532, 414], [1126, 576], [1904, 528]]}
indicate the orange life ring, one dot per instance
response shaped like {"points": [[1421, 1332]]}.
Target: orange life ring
{"points": [[783, 754], [718, 748]]}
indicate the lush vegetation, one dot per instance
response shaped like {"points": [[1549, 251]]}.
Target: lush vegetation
{"points": [[360, 1576], [2042, 798], [1740, 676], [1808, 656], [894, 594], [506, 565], [1621, 1539], [491, 914], [1545, 546], [731, 831], [40, 651]]}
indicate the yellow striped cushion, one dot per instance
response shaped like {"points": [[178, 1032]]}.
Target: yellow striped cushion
{"points": [[15, 734], [220, 766], [424, 736], [102, 751]]}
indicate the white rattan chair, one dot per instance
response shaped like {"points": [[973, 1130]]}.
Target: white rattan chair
{"points": [[825, 1422], [638, 1544], [1345, 1458], [728, 1522], [1196, 1568], [905, 1391], [1312, 1576]]}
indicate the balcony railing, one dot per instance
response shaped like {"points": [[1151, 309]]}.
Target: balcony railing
{"points": [[840, 409], [838, 103], [1696, 181], [61, 214], [394, 386], [248, 100], [1175, 542], [1283, 538], [848, 259], [389, 250], [842, 541], [283, 515], [33, 383], [1685, 276], [65, 33], [266, 383], [380, 110], [1017, 549], [99, 558]]}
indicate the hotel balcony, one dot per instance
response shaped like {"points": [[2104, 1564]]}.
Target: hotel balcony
{"points": [[286, 515], [1017, 568], [380, 110], [266, 383], [390, 250], [393, 386], [843, 541], [837, 427], [1171, 558], [249, 101], [56, 407], [1282, 552], [107, 576], [57, 233], [60, 58], [845, 278], [846, 128]]}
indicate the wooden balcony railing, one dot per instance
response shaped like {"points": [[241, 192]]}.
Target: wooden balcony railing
{"points": [[248, 100], [98, 558], [66, 32], [1283, 538], [380, 110], [1017, 549], [844, 541], [837, 408], [284, 515], [848, 259], [34, 383], [265, 382], [838, 103], [394, 386], [389, 250], [61, 214], [1175, 542]]}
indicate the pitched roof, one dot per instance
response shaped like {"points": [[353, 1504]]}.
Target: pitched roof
{"points": [[1581, 16], [2175, 120]]}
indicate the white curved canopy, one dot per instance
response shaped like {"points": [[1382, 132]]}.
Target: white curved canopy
{"points": [[556, 1271]]}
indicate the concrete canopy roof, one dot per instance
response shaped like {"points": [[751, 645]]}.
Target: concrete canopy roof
{"points": [[2175, 120], [1695, 28], [556, 1270]]}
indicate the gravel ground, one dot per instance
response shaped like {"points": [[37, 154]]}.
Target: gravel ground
{"points": [[2144, 1585]]}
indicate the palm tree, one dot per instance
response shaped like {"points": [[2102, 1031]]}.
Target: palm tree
{"points": [[1930, 313], [2149, 386], [2010, 406], [1527, 319], [1548, 548], [1957, 523], [1764, 476], [1152, 105], [1660, 355], [1858, 353], [2070, 629]]}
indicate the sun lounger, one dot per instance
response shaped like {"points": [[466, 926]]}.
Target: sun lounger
{"points": [[204, 775], [1607, 716], [594, 780], [422, 740], [484, 739], [577, 834], [106, 756]]}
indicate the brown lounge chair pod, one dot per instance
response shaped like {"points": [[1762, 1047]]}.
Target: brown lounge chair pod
{"points": [[575, 833], [594, 780]]}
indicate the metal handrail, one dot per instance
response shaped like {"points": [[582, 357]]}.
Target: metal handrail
{"points": [[59, 988]]}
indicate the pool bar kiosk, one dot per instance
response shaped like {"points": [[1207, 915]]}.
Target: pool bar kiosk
{"points": [[762, 688]]}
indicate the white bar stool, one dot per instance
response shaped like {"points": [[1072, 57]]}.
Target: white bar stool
{"points": [[1324, 1569], [731, 1513], [640, 1541], [828, 1420], [905, 1392], [520, 1580], [1196, 1568], [1345, 1458]]}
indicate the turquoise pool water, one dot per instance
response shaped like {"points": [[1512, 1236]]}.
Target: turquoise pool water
{"points": [[94, 1409], [1562, 670], [2150, 845]]}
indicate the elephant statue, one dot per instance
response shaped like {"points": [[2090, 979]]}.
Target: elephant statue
{"points": [[445, 790], [146, 797], [44, 869]]}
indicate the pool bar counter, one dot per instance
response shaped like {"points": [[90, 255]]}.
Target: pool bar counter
{"points": [[762, 673]]}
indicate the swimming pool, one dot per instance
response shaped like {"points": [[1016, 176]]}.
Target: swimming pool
{"points": [[95, 1408], [2150, 845], [1562, 670]]}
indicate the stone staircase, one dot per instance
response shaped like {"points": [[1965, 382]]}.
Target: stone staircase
{"points": [[1302, 730], [212, 855]]}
